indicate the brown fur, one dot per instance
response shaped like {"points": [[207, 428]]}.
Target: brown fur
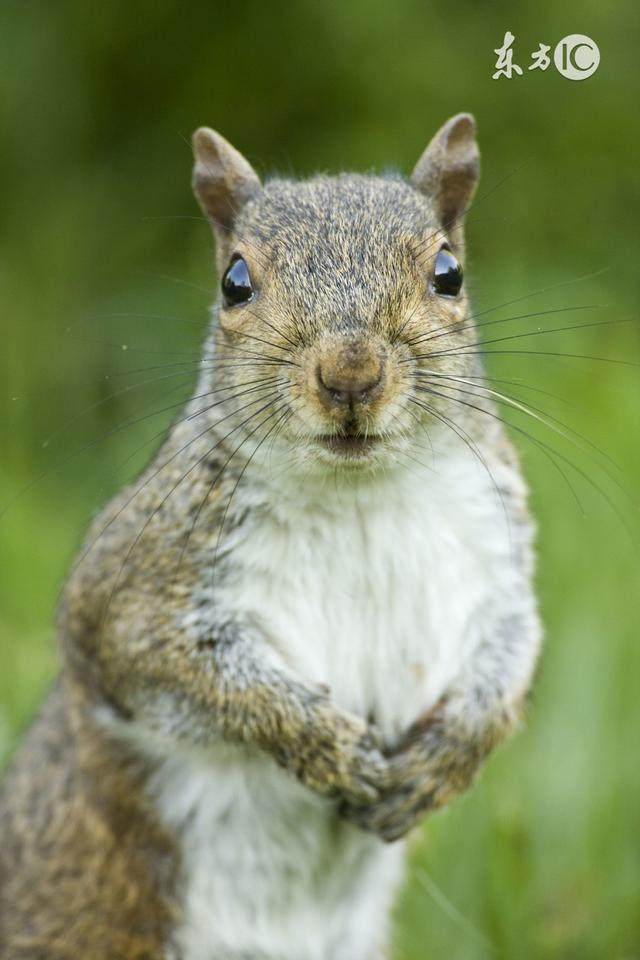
{"points": [[85, 871]]}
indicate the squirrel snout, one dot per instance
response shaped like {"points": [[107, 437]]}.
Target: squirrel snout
{"points": [[350, 373]]}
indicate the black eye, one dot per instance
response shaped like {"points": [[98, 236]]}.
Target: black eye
{"points": [[236, 283], [447, 274]]}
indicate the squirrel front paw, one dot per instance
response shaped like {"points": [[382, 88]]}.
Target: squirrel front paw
{"points": [[340, 757], [427, 770]]}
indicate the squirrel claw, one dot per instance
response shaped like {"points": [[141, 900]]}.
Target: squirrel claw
{"points": [[391, 819]]}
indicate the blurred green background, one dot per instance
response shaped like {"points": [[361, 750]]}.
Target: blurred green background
{"points": [[102, 259]]}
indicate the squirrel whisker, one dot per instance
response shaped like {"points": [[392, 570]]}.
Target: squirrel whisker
{"points": [[558, 354], [159, 469], [469, 442], [537, 332], [217, 478], [278, 423], [260, 384], [469, 325], [551, 453], [542, 416], [174, 487], [508, 303]]}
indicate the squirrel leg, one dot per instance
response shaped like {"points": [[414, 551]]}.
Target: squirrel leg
{"points": [[440, 754], [226, 685]]}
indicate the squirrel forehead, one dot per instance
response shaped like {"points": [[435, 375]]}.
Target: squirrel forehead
{"points": [[329, 217]]}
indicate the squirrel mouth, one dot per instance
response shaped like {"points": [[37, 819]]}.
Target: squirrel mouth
{"points": [[351, 445]]}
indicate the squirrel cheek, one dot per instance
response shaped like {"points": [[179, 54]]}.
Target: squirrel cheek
{"points": [[233, 321], [448, 313]]}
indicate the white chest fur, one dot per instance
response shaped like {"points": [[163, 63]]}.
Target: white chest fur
{"points": [[369, 590]]}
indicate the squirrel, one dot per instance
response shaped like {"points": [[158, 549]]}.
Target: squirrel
{"points": [[312, 617]]}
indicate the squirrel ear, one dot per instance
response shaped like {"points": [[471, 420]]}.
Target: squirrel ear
{"points": [[449, 168], [222, 180]]}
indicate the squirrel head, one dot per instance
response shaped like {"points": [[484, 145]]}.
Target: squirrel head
{"points": [[343, 295]]}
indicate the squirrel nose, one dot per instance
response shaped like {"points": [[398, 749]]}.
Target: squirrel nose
{"points": [[351, 374]]}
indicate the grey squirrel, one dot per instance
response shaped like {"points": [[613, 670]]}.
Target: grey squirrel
{"points": [[308, 622]]}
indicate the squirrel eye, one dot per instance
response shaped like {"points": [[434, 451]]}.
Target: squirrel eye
{"points": [[236, 283], [447, 274]]}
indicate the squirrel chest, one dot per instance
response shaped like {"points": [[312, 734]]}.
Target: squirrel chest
{"points": [[371, 591]]}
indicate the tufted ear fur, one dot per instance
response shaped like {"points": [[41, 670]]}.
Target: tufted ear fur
{"points": [[222, 181], [449, 168]]}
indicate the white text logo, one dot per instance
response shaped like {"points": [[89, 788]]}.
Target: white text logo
{"points": [[576, 57]]}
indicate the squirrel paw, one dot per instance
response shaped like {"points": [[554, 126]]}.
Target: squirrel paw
{"points": [[342, 758], [427, 770]]}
